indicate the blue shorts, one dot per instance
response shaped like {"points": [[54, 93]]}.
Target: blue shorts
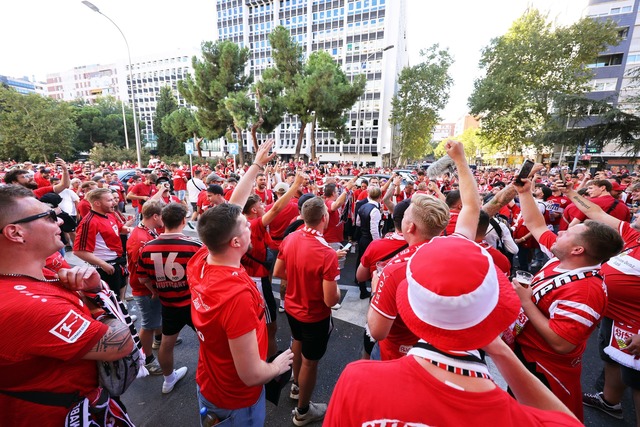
{"points": [[150, 311]]}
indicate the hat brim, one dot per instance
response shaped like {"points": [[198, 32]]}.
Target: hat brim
{"points": [[475, 337]]}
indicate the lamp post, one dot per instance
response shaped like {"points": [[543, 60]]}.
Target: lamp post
{"points": [[133, 97], [360, 101]]}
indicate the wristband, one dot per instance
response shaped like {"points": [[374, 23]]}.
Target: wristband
{"points": [[256, 164]]}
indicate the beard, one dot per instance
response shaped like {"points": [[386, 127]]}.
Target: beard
{"points": [[31, 185]]}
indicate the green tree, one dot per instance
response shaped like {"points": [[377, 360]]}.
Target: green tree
{"points": [[101, 123], [182, 124], [168, 145], [33, 127], [423, 91], [221, 71], [527, 68]]}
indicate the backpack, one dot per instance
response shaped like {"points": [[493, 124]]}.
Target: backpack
{"points": [[495, 223]]}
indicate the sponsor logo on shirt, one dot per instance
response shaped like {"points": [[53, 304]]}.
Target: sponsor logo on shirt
{"points": [[71, 327]]}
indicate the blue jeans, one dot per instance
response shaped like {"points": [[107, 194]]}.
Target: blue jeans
{"points": [[253, 415], [181, 194]]}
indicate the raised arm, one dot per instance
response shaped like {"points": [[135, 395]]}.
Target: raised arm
{"points": [[587, 207], [533, 219], [501, 199], [342, 198], [65, 182], [395, 183], [468, 218], [244, 187], [277, 207]]}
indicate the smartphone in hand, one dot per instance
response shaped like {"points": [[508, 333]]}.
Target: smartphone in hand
{"points": [[525, 170]]}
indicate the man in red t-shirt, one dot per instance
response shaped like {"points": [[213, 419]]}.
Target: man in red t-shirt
{"points": [[334, 234], [98, 239], [162, 267], [598, 191], [312, 290], [622, 317], [425, 218], [179, 178], [150, 309], [455, 313], [49, 341], [255, 260], [261, 190], [143, 191], [228, 313], [563, 304]]}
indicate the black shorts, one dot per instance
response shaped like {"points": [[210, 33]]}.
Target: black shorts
{"points": [[175, 318], [194, 206], [314, 336], [270, 301], [117, 280], [630, 377]]}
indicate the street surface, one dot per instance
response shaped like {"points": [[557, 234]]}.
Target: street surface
{"points": [[147, 405]]}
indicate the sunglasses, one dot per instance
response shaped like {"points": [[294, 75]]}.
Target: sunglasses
{"points": [[53, 217]]}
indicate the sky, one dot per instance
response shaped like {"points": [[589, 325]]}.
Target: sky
{"points": [[46, 36]]}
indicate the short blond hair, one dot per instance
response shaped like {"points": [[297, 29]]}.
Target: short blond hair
{"points": [[431, 215], [94, 195]]}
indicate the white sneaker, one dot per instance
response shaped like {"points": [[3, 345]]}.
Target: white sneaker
{"points": [[336, 307], [315, 413], [178, 374], [281, 308]]}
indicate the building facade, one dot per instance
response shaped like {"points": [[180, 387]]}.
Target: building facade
{"points": [[363, 36], [613, 70], [22, 85], [86, 82]]}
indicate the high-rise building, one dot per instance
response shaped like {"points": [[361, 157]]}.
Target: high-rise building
{"points": [[85, 82], [150, 74], [363, 36]]}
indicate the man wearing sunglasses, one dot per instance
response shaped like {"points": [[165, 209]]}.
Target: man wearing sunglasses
{"points": [[49, 342]]}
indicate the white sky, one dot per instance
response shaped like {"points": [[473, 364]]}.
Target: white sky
{"points": [[44, 36]]}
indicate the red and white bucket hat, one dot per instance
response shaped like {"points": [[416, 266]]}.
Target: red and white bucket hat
{"points": [[454, 297]]}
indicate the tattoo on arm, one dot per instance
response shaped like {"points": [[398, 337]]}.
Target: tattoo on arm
{"points": [[580, 201], [116, 338]]}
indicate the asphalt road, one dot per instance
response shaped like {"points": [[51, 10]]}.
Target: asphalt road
{"points": [[147, 405]]}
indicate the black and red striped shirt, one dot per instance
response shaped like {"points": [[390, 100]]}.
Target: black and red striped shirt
{"points": [[164, 262]]}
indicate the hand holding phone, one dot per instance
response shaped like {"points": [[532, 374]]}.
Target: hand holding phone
{"points": [[346, 247], [525, 170]]}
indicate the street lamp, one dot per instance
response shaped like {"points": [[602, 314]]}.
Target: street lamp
{"points": [[360, 100], [133, 96]]}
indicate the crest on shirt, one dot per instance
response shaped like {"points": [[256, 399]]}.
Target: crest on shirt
{"points": [[71, 327]]}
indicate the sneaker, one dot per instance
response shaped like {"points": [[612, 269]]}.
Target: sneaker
{"points": [[156, 343], [337, 306], [190, 225], [295, 391], [281, 307], [315, 413], [154, 368], [179, 374], [596, 400]]}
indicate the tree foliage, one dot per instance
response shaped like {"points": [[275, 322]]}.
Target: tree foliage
{"points": [[168, 145], [317, 91], [220, 72], [527, 68], [423, 91], [101, 123], [33, 127]]}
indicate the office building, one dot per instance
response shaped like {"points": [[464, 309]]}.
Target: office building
{"points": [[22, 85], [363, 36]]}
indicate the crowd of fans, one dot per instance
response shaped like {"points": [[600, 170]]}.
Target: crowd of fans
{"points": [[574, 231]]}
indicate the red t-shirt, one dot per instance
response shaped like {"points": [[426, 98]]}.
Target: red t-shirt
{"points": [[179, 180], [164, 261], [622, 277], [266, 196], [137, 239], [621, 211], [39, 192], [260, 239], [335, 230], [381, 248], [46, 332], [574, 310], [83, 208], [143, 189], [203, 201], [499, 259], [282, 221], [226, 304], [400, 338], [556, 206], [99, 234], [396, 392], [451, 227], [308, 260]]}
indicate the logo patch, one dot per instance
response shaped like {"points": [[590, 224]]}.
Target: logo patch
{"points": [[71, 327]]}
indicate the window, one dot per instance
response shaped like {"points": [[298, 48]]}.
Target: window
{"points": [[623, 33], [607, 61]]}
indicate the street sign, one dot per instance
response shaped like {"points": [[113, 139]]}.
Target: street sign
{"points": [[233, 148], [188, 148]]}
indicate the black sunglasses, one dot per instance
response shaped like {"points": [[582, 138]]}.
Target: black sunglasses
{"points": [[51, 214]]}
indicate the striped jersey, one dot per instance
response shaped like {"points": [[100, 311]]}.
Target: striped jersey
{"points": [[164, 261]]}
